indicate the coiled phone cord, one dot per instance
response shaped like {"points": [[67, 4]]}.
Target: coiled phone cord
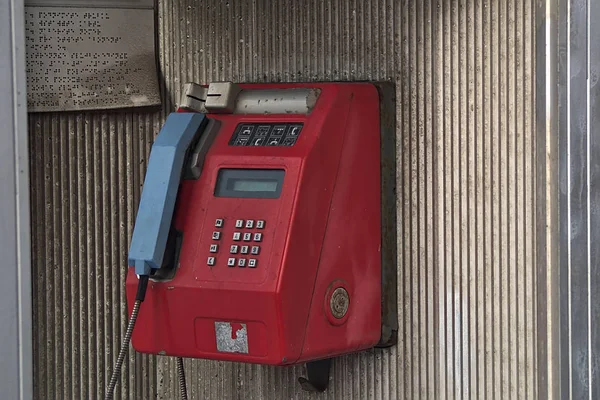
{"points": [[124, 347], [181, 375], [139, 298]]}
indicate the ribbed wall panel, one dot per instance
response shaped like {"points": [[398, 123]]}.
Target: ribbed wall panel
{"points": [[464, 76], [87, 171]]}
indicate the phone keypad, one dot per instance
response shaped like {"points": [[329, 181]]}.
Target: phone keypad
{"points": [[241, 255]]}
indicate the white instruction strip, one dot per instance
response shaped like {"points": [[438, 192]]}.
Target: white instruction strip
{"points": [[86, 55]]}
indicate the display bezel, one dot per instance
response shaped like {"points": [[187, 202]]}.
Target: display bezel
{"points": [[226, 176]]}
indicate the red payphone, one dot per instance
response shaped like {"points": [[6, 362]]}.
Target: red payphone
{"points": [[282, 246]]}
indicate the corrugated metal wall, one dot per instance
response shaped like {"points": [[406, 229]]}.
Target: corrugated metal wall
{"points": [[579, 155], [464, 71], [547, 198]]}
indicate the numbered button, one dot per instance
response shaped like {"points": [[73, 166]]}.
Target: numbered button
{"points": [[231, 262], [219, 223], [244, 250], [237, 236], [242, 262], [247, 237], [239, 223], [249, 224], [255, 250], [258, 237], [211, 261], [260, 224], [214, 248], [252, 262], [216, 235], [233, 249]]}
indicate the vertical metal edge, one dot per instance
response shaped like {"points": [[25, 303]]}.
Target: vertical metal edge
{"points": [[578, 128], [24, 290], [17, 321], [547, 199], [389, 260]]}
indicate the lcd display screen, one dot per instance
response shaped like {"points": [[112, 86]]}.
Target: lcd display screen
{"points": [[253, 185], [250, 183]]}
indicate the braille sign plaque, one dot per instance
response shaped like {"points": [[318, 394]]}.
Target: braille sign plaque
{"points": [[83, 55]]}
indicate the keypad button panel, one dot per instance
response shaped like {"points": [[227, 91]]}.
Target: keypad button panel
{"points": [[239, 255]]}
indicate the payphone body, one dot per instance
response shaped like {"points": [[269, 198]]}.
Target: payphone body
{"points": [[280, 238]]}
